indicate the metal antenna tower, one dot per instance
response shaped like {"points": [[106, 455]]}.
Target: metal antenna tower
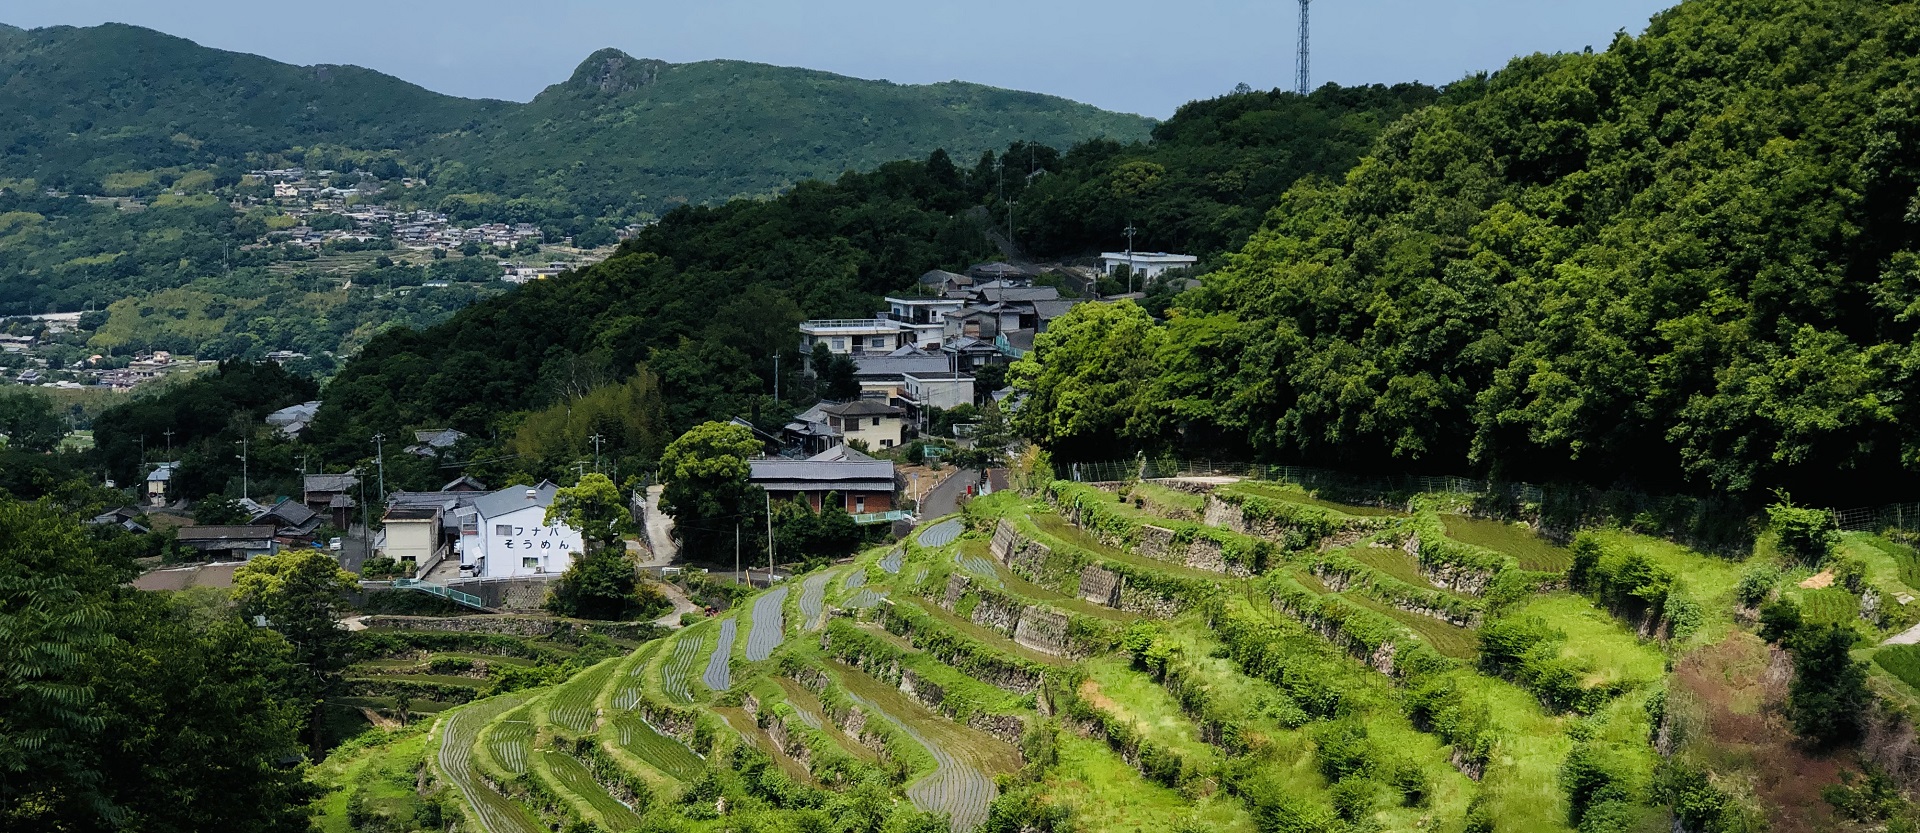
{"points": [[1304, 83]]}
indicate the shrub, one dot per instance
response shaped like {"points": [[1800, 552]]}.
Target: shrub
{"points": [[1829, 689], [1805, 533], [1756, 584]]}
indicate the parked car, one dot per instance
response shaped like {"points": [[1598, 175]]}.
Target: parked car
{"points": [[333, 543]]}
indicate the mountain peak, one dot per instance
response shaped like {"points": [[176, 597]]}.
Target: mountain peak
{"points": [[612, 72]]}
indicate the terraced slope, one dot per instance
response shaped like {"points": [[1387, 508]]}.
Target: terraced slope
{"points": [[768, 624], [942, 533], [667, 754], [494, 812], [813, 599], [719, 673], [676, 676], [573, 781]]}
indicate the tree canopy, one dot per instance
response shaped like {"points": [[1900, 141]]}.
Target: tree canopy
{"points": [[706, 489]]}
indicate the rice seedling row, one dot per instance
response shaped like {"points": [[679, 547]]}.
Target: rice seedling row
{"points": [[573, 777], [813, 600], [494, 812], [867, 597], [508, 742], [719, 675], [769, 626], [676, 678], [891, 563], [572, 705], [981, 568], [954, 788], [857, 580], [942, 533], [661, 751]]}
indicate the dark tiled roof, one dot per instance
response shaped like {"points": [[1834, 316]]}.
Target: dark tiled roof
{"points": [[331, 482], [863, 408], [225, 533]]}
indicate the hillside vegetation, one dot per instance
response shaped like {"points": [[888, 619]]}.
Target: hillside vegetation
{"points": [[1686, 262], [622, 137]]}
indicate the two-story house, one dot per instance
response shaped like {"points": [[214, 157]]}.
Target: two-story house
{"points": [[504, 534], [874, 424]]}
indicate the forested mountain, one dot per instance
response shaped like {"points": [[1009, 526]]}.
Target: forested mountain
{"points": [[1687, 261], [621, 136]]}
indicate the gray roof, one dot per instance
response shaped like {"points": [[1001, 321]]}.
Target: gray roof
{"points": [[840, 454], [438, 437], [163, 472], [513, 498], [288, 512], [301, 413], [250, 532], [939, 276], [331, 482], [822, 475], [862, 408], [1049, 310], [873, 367], [1019, 294]]}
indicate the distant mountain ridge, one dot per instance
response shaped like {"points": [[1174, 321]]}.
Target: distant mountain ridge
{"points": [[621, 131]]}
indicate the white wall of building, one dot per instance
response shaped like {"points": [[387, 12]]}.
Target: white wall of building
{"points": [[517, 543], [411, 540]]}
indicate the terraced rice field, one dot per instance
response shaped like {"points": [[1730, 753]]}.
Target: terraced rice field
{"points": [[1449, 639], [719, 675], [572, 706], [1276, 492], [508, 742], [574, 778], [494, 812], [676, 677], [1393, 562], [981, 568], [1829, 606], [942, 533], [894, 559], [662, 752], [1532, 551], [957, 785], [917, 574], [813, 600], [857, 580], [769, 624], [626, 694], [867, 597]]}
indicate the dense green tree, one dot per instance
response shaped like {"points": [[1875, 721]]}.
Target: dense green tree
{"points": [[603, 584], [301, 595], [1829, 692], [1088, 380], [706, 489], [1806, 534], [207, 416], [594, 507], [29, 422]]}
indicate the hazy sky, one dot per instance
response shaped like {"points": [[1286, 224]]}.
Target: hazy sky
{"points": [[1133, 55]]}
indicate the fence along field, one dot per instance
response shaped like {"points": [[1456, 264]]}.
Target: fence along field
{"points": [[494, 812], [719, 675], [769, 624]]}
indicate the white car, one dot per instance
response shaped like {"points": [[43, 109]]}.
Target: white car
{"points": [[333, 544]]}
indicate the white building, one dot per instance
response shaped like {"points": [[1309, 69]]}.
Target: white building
{"points": [[1146, 264], [851, 336], [504, 535]]}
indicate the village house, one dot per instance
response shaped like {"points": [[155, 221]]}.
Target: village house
{"points": [[159, 482], [1147, 265], [859, 486], [504, 534], [229, 542], [331, 495]]}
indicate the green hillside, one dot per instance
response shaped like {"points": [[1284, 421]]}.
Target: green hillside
{"points": [[1687, 262], [621, 136], [624, 131]]}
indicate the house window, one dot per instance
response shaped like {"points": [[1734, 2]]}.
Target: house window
{"points": [[839, 344], [877, 341], [859, 505], [886, 443], [876, 421], [503, 529], [530, 563]]}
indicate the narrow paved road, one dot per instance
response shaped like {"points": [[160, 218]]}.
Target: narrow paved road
{"points": [[659, 532], [945, 498]]}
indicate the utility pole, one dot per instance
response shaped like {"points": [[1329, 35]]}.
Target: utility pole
{"points": [[243, 466], [597, 439], [1130, 231], [169, 435], [380, 456], [776, 376], [769, 540], [1304, 83], [1010, 247], [736, 547]]}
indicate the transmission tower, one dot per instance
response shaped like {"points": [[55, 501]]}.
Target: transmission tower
{"points": [[1304, 84]]}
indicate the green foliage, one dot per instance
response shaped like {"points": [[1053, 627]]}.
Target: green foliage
{"points": [[594, 507], [1575, 267], [302, 594], [1829, 690], [1530, 651], [604, 585], [629, 417], [208, 415], [705, 472], [1902, 661], [28, 421], [1757, 584], [1806, 534], [1083, 380]]}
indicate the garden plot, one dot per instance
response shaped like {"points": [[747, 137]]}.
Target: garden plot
{"points": [[956, 787], [942, 533], [569, 775], [894, 559], [508, 742], [662, 752], [495, 813], [572, 705], [719, 675], [813, 600], [981, 568], [768, 624], [676, 677]]}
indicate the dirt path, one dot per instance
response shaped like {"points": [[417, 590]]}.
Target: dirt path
{"points": [[659, 532], [681, 605]]}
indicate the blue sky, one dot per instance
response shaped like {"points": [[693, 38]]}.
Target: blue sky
{"points": [[1132, 55]]}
